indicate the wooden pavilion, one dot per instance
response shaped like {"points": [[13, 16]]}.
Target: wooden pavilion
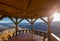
{"points": [[30, 9]]}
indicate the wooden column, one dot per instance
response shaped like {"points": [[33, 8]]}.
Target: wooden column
{"points": [[32, 22], [41, 32], [16, 23], [49, 29], [49, 24]]}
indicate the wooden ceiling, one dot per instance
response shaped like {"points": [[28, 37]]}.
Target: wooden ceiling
{"points": [[28, 8]]}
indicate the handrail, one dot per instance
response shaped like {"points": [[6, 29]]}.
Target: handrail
{"points": [[41, 31], [54, 37]]}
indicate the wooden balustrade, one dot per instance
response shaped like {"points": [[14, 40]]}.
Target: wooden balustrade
{"points": [[42, 34], [24, 31], [37, 32], [54, 37]]}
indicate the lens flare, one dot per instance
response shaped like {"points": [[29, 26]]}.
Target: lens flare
{"points": [[56, 16]]}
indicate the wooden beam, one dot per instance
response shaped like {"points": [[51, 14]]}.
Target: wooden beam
{"points": [[1, 17], [31, 24], [32, 28], [16, 24], [12, 20], [28, 4], [11, 6], [20, 21], [5, 13], [28, 20], [44, 20], [34, 20]]}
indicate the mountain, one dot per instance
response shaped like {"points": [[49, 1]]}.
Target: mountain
{"points": [[55, 26]]}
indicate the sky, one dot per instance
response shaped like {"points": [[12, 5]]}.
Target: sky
{"points": [[56, 17], [7, 20]]}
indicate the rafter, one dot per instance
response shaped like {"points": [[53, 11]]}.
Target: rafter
{"points": [[4, 13], [11, 6], [28, 4]]}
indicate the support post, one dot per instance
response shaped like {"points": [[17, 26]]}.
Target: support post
{"points": [[16, 23], [49, 29], [32, 24], [32, 28]]}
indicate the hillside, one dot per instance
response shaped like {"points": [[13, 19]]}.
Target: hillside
{"points": [[55, 26]]}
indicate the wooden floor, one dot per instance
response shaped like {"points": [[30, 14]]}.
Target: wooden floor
{"points": [[26, 37]]}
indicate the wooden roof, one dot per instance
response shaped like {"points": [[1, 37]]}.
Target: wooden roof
{"points": [[28, 8]]}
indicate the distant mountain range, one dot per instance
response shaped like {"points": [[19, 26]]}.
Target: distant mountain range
{"points": [[55, 26]]}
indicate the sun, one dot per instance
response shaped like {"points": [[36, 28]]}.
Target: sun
{"points": [[56, 16]]}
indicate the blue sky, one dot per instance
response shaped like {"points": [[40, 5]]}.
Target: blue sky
{"points": [[7, 20]]}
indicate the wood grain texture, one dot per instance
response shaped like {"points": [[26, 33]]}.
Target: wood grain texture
{"points": [[26, 37]]}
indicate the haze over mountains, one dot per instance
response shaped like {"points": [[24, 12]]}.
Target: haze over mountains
{"points": [[55, 26]]}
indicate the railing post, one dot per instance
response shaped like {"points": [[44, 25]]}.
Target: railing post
{"points": [[40, 33], [44, 37], [29, 31], [23, 31], [26, 31]]}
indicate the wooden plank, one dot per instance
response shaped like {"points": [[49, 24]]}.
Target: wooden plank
{"points": [[26, 37]]}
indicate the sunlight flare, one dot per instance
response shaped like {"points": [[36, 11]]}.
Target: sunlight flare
{"points": [[56, 16]]}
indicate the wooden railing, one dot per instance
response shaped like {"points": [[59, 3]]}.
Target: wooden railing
{"points": [[54, 37], [42, 34]]}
